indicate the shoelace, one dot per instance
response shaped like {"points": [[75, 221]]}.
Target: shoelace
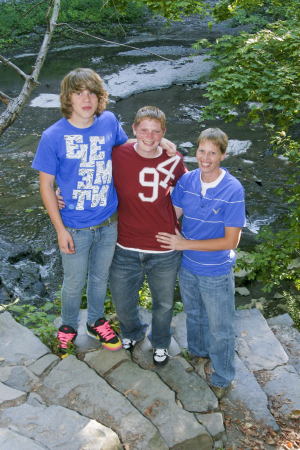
{"points": [[64, 338], [105, 331]]}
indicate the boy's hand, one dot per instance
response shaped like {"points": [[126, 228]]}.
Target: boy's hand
{"points": [[171, 241], [169, 146], [60, 199], [65, 242]]}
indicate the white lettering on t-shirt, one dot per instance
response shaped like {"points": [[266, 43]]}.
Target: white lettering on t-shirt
{"points": [[94, 175], [149, 177], [103, 173], [99, 196], [81, 196], [75, 149]]}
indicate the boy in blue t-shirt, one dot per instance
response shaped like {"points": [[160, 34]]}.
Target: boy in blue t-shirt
{"points": [[213, 208], [75, 152]]}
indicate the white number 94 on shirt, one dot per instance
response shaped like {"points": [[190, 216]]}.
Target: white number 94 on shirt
{"points": [[152, 177]]}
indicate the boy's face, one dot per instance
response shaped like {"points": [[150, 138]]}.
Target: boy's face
{"points": [[84, 105], [149, 133], [209, 157]]}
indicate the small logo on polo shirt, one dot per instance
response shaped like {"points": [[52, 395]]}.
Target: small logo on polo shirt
{"points": [[216, 210]]}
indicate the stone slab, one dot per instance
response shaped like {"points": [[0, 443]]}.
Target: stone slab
{"points": [[282, 385], [57, 427], [289, 338], [44, 363], [282, 319], [213, 422], [9, 440], [104, 360], [255, 343], [155, 400], [85, 392], [18, 377], [18, 345], [9, 395], [193, 392], [248, 392]]}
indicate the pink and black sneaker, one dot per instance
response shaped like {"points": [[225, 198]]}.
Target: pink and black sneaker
{"points": [[66, 336], [102, 331]]}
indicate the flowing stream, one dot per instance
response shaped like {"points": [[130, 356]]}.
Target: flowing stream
{"points": [[134, 78]]}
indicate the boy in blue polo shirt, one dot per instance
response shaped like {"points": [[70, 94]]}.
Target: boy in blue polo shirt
{"points": [[213, 208], [76, 153]]}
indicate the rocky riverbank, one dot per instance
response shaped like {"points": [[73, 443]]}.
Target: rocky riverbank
{"points": [[115, 400]]}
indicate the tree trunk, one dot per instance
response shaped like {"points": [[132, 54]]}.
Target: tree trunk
{"points": [[15, 106]]}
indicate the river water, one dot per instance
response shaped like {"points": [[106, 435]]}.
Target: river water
{"points": [[134, 78]]}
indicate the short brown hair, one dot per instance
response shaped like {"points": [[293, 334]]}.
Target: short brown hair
{"points": [[77, 80], [217, 136], [150, 112]]}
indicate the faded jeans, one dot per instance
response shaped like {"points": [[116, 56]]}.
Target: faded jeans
{"points": [[209, 307], [90, 264], [128, 271]]}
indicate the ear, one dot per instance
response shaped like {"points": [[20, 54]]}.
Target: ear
{"points": [[224, 155], [133, 130]]}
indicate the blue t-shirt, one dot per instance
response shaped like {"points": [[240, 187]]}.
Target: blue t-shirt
{"points": [[80, 160], [205, 217]]}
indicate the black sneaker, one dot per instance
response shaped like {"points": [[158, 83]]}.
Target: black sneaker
{"points": [[102, 331], [128, 344], [160, 356], [66, 336]]}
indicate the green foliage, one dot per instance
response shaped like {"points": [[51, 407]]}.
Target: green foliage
{"points": [[145, 298], [258, 74], [107, 17], [261, 68], [175, 10], [273, 259], [293, 306], [40, 320], [29, 19], [101, 12], [250, 11], [276, 259], [15, 20]]}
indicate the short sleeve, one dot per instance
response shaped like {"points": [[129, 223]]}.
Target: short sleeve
{"points": [[235, 214], [177, 193], [121, 136], [45, 159]]}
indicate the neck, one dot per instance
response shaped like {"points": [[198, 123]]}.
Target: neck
{"points": [[81, 123], [151, 154], [210, 178]]}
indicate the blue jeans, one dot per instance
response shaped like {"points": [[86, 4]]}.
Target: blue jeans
{"points": [[209, 306], [90, 264], [127, 274]]}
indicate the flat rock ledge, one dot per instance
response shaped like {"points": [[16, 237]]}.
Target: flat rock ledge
{"points": [[118, 400]]}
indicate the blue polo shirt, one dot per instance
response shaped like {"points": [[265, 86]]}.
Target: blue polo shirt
{"points": [[205, 217]]}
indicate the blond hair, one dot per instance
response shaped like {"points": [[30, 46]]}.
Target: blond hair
{"points": [[77, 80], [150, 112], [215, 135]]}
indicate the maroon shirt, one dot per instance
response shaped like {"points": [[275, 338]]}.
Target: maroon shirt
{"points": [[143, 187]]}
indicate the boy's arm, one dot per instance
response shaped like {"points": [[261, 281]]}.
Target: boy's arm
{"points": [[178, 242], [178, 211], [65, 241]]}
